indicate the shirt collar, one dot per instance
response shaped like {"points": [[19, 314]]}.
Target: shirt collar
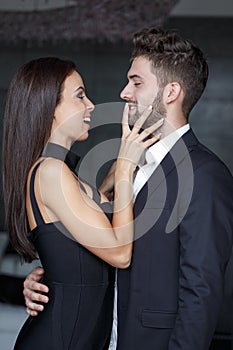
{"points": [[159, 150]]}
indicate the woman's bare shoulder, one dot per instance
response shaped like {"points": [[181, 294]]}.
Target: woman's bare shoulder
{"points": [[50, 166]]}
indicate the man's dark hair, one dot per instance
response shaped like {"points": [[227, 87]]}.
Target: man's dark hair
{"points": [[173, 59]]}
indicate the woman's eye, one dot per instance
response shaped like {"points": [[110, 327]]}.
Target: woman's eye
{"points": [[81, 96]]}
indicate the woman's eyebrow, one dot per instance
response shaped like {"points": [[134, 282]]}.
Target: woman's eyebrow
{"points": [[80, 88]]}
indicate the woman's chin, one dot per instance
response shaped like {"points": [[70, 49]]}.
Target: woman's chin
{"points": [[83, 137]]}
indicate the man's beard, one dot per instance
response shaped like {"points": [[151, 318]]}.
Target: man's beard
{"points": [[157, 113]]}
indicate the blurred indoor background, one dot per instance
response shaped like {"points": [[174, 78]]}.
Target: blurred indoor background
{"points": [[97, 36]]}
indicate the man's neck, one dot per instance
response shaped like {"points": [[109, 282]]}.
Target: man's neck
{"points": [[169, 126]]}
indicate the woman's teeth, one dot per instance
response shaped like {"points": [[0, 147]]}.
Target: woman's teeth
{"points": [[87, 120]]}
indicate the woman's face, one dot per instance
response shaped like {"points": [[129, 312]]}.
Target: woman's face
{"points": [[72, 114]]}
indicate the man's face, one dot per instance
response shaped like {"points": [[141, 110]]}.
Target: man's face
{"points": [[141, 91]]}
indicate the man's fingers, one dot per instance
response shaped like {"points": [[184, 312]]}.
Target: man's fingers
{"points": [[33, 296], [36, 274], [37, 271], [35, 286], [33, 290], [33, 306], [31, 312]]}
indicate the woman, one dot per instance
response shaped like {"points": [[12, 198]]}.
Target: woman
{"points": [[70, 227]]}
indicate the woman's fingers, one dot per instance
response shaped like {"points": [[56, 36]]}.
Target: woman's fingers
{"points": [[139, 123], [150, 130], [134, 142], [125, 121], [152, 140]]}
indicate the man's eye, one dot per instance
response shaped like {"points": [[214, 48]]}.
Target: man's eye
{"points": [[137, 84]]}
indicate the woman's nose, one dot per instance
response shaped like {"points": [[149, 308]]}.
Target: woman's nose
{"points": [[90, 105]]}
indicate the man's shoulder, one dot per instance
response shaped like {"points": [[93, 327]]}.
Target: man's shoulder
{"points": [[204, 157], [201, 155]]}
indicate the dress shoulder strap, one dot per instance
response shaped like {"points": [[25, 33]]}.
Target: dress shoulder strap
{"points": [[36, 211]]}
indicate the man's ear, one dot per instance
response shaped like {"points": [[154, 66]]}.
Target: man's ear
{"points": [[172, 91]]}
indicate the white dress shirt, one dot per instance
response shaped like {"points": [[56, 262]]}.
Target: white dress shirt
{"points": [[153, 157]]}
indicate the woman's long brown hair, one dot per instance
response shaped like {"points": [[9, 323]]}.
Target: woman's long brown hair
{"points": [[33, 95]]}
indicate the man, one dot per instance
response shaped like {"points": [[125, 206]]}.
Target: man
{"points": [[170, 296]]}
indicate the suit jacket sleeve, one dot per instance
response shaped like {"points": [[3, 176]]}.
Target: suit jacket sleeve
{"points": [[205, 248]]}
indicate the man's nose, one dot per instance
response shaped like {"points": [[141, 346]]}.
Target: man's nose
{"points": [[125, 93]]}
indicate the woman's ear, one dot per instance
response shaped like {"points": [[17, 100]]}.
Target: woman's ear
{"points": [[172, 91]]}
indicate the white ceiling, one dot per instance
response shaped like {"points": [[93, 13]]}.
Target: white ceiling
{"points": [[183, 8]]}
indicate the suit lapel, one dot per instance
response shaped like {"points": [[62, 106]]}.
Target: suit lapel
{"points": [[178, 152]]}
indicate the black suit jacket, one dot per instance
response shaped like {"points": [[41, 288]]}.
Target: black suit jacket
{"points": [[170, 296]]}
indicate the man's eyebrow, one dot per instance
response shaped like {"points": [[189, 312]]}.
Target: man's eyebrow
{"points": [[132, 76]]}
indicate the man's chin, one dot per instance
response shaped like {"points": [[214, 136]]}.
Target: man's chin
{"points": [[132, 118], [131, 126]]}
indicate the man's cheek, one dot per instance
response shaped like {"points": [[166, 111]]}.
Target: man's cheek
{"points": [[144, 104], [141, 108]]}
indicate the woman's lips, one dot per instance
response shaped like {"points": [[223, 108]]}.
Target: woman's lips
{"points": [[87, 120]]}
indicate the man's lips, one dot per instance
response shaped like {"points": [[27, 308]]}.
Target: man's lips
{"points": [[132, 106]]}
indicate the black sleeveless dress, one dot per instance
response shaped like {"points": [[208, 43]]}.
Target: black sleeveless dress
{"points": [[78, 315]]}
